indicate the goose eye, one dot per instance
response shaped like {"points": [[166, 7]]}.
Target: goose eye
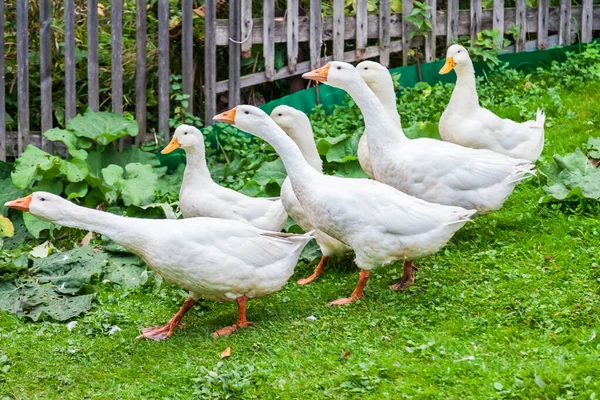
{"points": [[246, 112], [280, 114], [459, 51], [339, 67], [42, 199], [366, 68], [185, 133]]}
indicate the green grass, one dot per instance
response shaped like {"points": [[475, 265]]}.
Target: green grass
{"points": [[509, 309]]}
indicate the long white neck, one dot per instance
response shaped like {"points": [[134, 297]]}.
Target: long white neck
{"points": [[196, 168], [300, 172], [381, 130], [464, 96], [302, 134], [384, 90]]}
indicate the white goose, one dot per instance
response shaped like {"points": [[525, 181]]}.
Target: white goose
{"points": [[466, 123], [297, 126], [200, 196], [380, 223], [432, 170], [212, 258], [379, 80]]}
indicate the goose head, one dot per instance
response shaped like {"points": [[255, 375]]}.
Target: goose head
{"points": [[46, 206], [249, 119], [335, 73], [456, 57], [186, 137], [376, 76]]}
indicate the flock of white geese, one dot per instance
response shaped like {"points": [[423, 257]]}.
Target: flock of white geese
{"points": [[229, 246]]}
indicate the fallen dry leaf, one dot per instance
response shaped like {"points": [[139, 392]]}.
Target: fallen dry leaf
{"points": [[101, 9], [87, 238], [226, 352], [200, 11]]}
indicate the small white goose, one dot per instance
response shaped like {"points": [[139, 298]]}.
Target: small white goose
{"points": [[297, 126], [212, 258], [466, 123], [379, 80], [200, 196], [433, 170], [378, 222]]}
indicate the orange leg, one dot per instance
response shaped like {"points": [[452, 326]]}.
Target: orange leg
{"points": [[357, 294], [163, 332], [241, 320], [408, 277], [318, 271]]}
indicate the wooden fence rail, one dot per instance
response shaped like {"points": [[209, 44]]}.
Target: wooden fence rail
{"points": [[372, 36]]}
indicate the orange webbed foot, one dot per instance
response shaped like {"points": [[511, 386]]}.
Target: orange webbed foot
{"points": [[228, 330], [158, 332], [342, 301], [305, 281]]}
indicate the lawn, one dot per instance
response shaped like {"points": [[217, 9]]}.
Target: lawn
{"points": [[509, 309]]}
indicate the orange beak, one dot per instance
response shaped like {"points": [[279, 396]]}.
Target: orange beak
{"points": [[228, 116], [450, 64], [319, 74], [173, 145], [21, 204]]}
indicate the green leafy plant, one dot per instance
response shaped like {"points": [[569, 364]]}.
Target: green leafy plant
{"points": [[420, 19], [181, 115], [486, 47], [225, 382]]}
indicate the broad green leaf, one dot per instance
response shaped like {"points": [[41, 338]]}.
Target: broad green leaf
{"points": [[112, 175], [351, 169], [6, 227], [8, 192], [75, 145], [102, 127], [270, 171], [34, 225], [31, 164], [99, 159], [422, 130], [43, 250], [38, 302], [326, 143], [76, 190], [139, 186], [75, 170], [593, 147], [571, 176], [251, 188], [127, 271], [49, 185], [345, 150]]}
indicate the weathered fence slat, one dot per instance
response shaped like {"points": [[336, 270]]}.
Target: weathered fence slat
{"points": [[316, 32], [338, 30], [70, 100], [452, 22], [292, 34], [234, 52], [521, 22], [92, 61], [587, 20], [361, 27], [475, 20], [187, 51], [163, 67], [247, 26], [407, 8], [543, 14], [140, 69], [23, 74], [564, 28], [2, 89], [430, 39], [498, 21], [384, 32], [210, 61], [116, 15], [45, 72], [269, 38]]}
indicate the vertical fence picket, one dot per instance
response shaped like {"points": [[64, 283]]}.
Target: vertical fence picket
{"points": [[92, 60], [23, 74], [45, 72], [498, 20], [268, 38], [247, 26], [407, 8], [475, 20], [140, 69], [452, 22], [338, 30], [542, 32], [521, 22], [564, 24], [2, 89], [116, 15], [210, 61], [163, 68], [187, 51], [361, 28], [587, 19], [234, 52], [70, 101], [316, 34], [430, 39], [384, 32], [292, 34]]}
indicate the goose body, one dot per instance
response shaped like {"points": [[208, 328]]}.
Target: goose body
{"points": [[378, 222], [211, 258], [200, 196], [297, 126], [433, 170], [466, 123]]}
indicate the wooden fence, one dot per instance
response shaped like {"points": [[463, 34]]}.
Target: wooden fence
{"points": [[326, 35]]}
